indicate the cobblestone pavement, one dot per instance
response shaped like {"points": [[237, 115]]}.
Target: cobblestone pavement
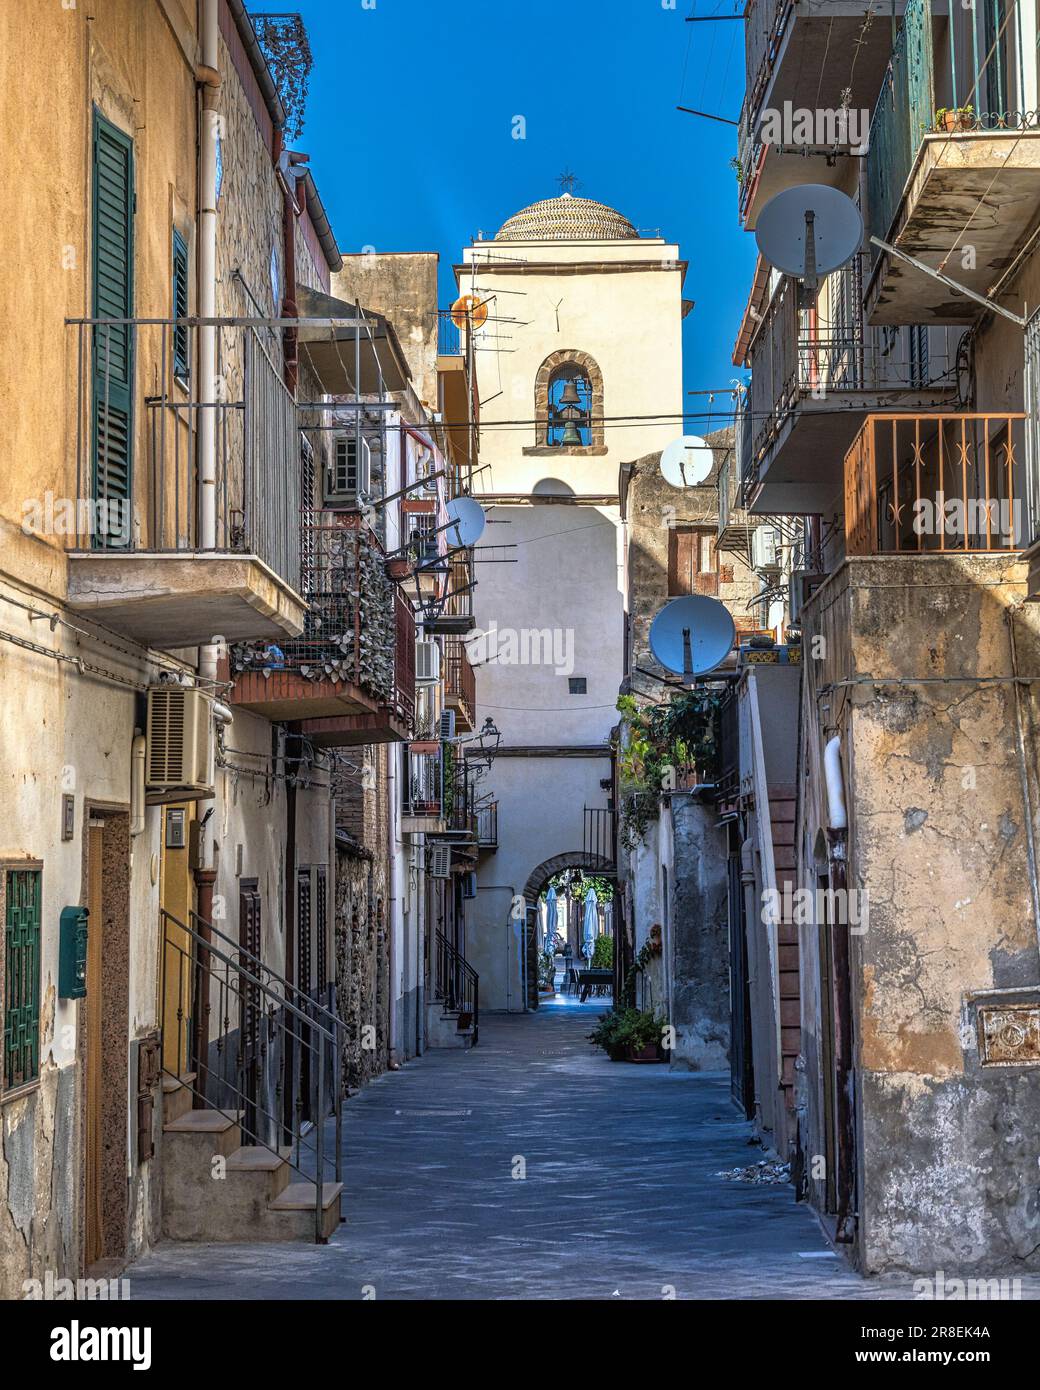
{"points": [[620, 1197]]}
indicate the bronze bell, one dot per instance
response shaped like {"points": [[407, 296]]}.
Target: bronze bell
{"points": [[570, 433], [570, 396]]}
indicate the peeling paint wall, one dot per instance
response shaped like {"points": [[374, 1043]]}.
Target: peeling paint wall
{"points": [[937, 839]]}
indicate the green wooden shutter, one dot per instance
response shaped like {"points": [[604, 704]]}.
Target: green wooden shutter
{"points": [[180, 305], [22, 978], [113, 354]]}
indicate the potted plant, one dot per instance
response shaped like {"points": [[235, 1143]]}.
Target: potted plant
{"points": [[399, 568], [641, 1034], [607, 1035], [953, 118]]}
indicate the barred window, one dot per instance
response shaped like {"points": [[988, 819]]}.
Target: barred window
{"points": [[21, 978]]}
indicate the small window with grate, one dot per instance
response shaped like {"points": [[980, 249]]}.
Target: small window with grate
{"points": [[577, 685], [21, 982]]}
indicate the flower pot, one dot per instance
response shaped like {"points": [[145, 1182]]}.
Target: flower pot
{"points": [[652, 1053], [953, 121], [398, 569]]}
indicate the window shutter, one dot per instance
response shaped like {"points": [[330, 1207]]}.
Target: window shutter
{"points": [[22, 978], [112, 278], [180, 305]]}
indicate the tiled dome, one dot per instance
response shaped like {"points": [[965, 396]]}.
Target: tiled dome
{"points": [[567, 218]]}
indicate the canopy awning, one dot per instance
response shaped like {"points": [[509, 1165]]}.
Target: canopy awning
{"points": [[334, 356]]}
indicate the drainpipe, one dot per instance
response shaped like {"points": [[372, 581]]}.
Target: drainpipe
{"points": [[209, 77], [1023, 764], [205, 877], [290, 351], [137, 783]]}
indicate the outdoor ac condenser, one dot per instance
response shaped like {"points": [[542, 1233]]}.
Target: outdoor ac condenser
{"points": [[447, 724], [427, 663], [765, 548], [179, 751]]}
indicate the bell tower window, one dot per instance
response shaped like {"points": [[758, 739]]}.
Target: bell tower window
{"points": [[570, 407], [568, 404]]}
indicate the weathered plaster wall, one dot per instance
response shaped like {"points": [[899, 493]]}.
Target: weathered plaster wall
{"points": [[403, 286], [699, 937], [938, 840]]}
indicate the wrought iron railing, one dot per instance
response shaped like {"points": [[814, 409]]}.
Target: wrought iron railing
{"points": [[422, 786], [449, 336], [252, 1046], [487, 826], [140, 414], [599, 837], [460, 679], [360, 629], [954, 483], [976, 78], [456, 984]]}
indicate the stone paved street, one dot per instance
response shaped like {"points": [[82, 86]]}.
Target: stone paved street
{"points": [[620, 1196]]}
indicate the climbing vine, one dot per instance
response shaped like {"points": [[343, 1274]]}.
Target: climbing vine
{"points": [[663, 746], [284, 43]]}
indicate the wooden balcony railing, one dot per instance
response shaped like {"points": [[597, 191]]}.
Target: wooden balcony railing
{"points": [[945, 482]]}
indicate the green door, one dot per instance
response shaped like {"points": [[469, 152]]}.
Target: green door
{"points": [[112, 279]]}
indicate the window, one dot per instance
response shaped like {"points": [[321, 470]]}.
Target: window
{"points": [[692, 561], [570, 407], [180, 306], [112, 280], [577, 685], [21, 978]]}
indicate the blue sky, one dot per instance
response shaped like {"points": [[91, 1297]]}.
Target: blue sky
{"points": [[410, 119]]}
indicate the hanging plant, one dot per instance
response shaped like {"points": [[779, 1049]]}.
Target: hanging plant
{"points": [[663, 748]]}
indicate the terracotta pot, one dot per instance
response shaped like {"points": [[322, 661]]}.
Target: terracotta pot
{"points": [[956, 120], [398, 569], [645, 1054]]}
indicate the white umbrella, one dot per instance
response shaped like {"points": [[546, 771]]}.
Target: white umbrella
{"points": [[550, 918], [590, 928]]}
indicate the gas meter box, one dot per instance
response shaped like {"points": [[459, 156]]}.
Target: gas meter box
{"points": [[72, 953]]}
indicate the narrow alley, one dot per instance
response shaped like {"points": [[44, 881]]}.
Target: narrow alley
{"points": [[622, 1195]]}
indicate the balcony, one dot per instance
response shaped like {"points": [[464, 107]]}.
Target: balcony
{"points": [[460, 685], [734, 525], [451, 613], [946, 484], [457, 382], [792, 50], [487, 828], [350, 678], [958, 191], [161, 551], [423, 806], [811, 388]]}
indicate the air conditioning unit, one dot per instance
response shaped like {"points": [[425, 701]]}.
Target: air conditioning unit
{"points": [[427, 663], [766, 545], [447, 725], [349, 477], [440, 861], [469, 884], [179, 749], [804, 584]]}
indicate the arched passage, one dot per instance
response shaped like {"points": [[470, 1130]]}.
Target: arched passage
{"points": [[536, 882]]}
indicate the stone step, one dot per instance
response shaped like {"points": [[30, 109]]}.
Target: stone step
{"points": [[177, 1095], [205, 1130], [294, 1208], [267, 1171]]}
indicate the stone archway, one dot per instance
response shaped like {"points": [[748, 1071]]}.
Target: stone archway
{"points": [[536, 881]]}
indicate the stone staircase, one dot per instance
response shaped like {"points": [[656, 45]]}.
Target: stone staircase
{"points": [[444, 1026], [215, 1188]]}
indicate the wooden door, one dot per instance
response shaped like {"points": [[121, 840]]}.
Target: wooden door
{"points": [[94, 1045]]}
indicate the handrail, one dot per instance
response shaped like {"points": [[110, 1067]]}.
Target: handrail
{"points": [[458, 980], [277, 1046]]}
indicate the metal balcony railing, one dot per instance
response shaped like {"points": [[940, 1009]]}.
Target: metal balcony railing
{"points": [[449, 336], [360, 630], [795, 357], [460, 679], [487, 826], [977, 72], [599, 839], [953, 483], [139, 417], [422, 786]]}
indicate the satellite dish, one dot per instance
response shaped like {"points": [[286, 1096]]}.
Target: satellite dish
{"points": [[809, 230], [466, 522], [687, 461], [469, 311], [692, 635]]}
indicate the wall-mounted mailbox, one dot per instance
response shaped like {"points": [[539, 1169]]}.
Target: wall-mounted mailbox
{"points": [[72, 953]]}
